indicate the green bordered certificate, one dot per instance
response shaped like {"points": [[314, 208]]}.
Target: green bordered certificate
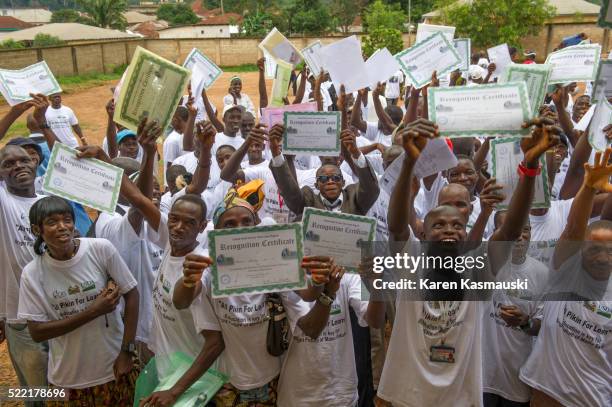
{"points": [[152, 88], [280, 86], [605, 15], [259, 259], [18, 84], [435, 53], [486, 110], [506, 155], [90, 182], [464, 48], [535, 77], [337, 235], [210, 71], [602, 87], [601, 118], [577, 63], [312, 133], [312, 58]]}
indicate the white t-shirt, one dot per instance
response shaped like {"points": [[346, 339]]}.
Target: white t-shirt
{"points": [[379, 211], [506, 348], [476, 209], [173, 148], [136, 253], [571, 358], [273, 201], [546, 229], [244, 100], [52, 290], [190, 162], [322, 372], [165, 202], [16, 248], [211, 197], [61, 121], [242, 320], [427, 199], [392, 90], [172, 330]]}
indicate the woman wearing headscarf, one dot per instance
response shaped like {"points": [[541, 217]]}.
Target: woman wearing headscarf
{"points": [[236, 97]]}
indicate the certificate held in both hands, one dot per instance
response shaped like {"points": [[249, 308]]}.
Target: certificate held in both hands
{"points": [[256, 260], [88, 181], [153, 87], [312, 133], [485, 110]]}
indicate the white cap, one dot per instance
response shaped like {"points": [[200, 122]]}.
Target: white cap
{"points": [[476, 72], [483, 62], [227, 108]]}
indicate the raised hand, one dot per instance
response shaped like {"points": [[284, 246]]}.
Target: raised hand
{"points": [[110, 108], [560, 96], [543, 137], [147, 134], [349, 141], [414, 137], [205, 133], [378, 90], [193, 268], [491, 195], [435, 82], [341, 101], [491, 68], [336, 274], [258, 135], [261, 64], [190, 105], [597, 176], [40, 103], [276, 139], [93, 152], [319, 268]]}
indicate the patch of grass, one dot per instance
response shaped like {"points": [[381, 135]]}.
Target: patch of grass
{"points": [[240, 68], [18, 129], [74, 83]]}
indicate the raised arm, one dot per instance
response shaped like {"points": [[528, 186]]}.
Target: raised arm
{"points": [[111, 130], [287, 184], [489, 197], [356, 116], [316, 92], [387, 123], [263, 91], [299, 96], [414, 139], [596, 179], [560, 98], [41, 103], [490, 69], [413, 106], [206, 137], [232, 171], [368, 189], [211, 114], [192, 111], [13, 114]]}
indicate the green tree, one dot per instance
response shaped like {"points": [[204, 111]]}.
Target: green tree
{"points": [[46, 40], [106, 13], [492, 22], [345, 12], [307, 17], [70, 16], [177, 14], [256, 24], [11, 44], [380, 15], [381, 38]]}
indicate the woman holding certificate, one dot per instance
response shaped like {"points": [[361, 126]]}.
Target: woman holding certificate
{"points": [[69, 295]]}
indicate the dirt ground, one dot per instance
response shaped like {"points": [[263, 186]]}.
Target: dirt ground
{"points": [[88, 106]]}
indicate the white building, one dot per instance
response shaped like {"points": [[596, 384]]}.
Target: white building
{"points": [[29, 14], [222, 26]]}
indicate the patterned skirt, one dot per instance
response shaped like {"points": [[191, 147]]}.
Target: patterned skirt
{"points": [[229, 396], [118, 393]]}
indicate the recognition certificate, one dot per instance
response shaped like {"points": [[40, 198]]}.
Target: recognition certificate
{"points": [[601, 118], [337, 235], [574, 64], [210, 71], [280, 86], [506, 155], [602, 87], [312, 58], [259, 259], [494, 110], [435, 53], [90, 182], [18, 84], [312, 133], [535, 77], [152, 88], [269, 65], [464, 48]]}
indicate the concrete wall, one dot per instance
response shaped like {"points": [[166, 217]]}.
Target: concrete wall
{"points": [[103, 56], [197, 31]]}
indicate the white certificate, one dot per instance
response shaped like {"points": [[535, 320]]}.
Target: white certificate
{"points": [[494, 110], [535, 77], [280, 48], [269, 65], [337, 235], [260, 259], [343, 60], [436, 157], [435, 53], [602, 87], [18, 84], [90, 182], [312, 133], [381, 66], [464, 48], [601, 118], [506, 156], [313, 60], [605, 15], [427, 30], [208, 70], [577, 63], [500, 55]]}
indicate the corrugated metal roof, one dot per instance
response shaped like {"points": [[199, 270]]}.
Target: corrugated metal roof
{"points": [[66, 32]]}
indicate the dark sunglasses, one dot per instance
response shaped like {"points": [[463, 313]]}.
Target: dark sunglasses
{"points": [[326, 178]]}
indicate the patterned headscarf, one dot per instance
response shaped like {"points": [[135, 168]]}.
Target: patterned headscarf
{"points": [[232, 199]]}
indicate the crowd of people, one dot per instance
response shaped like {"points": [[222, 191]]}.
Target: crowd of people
{"points": [[86, 301]]}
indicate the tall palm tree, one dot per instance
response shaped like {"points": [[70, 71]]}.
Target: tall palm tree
{"points": [[106, 13]]}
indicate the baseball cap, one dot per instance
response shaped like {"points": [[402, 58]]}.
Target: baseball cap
{"points": [[123, 134], [26, 142], [227, 108]]}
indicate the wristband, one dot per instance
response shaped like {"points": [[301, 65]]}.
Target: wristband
{"points": [[523, 171]]}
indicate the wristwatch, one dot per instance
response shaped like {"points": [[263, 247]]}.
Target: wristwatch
{"points": [[129, 347], [325, 299]]}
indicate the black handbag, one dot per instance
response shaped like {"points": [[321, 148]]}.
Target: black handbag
{"points": [[277, 340]]}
